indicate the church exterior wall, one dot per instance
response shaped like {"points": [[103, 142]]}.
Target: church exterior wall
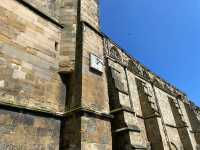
{"points": [[64, 85]]}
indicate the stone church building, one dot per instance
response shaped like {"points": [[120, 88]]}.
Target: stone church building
{"points": [[64, 85]]}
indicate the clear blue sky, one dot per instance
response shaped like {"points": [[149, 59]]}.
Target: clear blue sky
{"points": [[164, 35]]}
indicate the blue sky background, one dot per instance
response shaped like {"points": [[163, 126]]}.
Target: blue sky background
{"points": [[164, 35]]}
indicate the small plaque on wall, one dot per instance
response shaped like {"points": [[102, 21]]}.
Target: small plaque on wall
{"points": [[96, 63]]}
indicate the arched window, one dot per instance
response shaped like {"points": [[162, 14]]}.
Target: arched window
{"points": [[114, 53]]}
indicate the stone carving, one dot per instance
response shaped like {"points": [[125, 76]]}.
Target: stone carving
{"points": [[111, 51]]}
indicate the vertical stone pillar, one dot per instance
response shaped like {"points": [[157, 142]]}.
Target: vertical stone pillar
{"points": [[71, 13], [89, 10], [125, 128], [87, 125], [151, 115], [95, 123], [181, 124], [69, 17], [195, 123]]}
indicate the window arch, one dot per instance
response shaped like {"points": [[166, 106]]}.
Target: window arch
{"points": [[114, 53]]}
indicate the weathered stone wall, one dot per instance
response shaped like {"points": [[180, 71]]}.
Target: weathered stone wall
{"points": [[88, 124], [158, 106], [69, 12], [194, 122], [96, 130], [129, 131], [90, 12], [168, 118], [48, 7], [71, 133], [188, 123], [151, 115], [72, 12], [29, 59], [51, 97], [91, 80], [22, 131], [96, 134]]}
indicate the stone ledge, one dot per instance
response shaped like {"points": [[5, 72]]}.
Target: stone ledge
{"points": [[155, 115], [32, 110], [122, 108], [177, 127], [131, 128], [138, 147], [121, 91], [88, 111], [48, 113]]}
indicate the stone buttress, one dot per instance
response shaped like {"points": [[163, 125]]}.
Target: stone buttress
{"points": [[88, 124]]}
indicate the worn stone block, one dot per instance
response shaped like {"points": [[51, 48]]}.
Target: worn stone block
{"points": [[28, 132]]}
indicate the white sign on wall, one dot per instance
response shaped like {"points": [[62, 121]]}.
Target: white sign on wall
{"points": [[96, 63]]}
